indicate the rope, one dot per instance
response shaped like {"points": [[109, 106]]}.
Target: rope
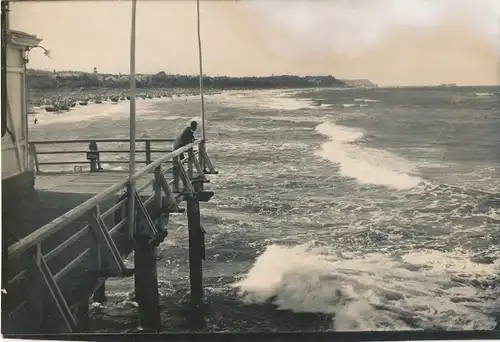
{"points": [[201, 72]]}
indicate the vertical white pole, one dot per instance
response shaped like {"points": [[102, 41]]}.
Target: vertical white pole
{"points": [[25, 108], [5, 26], [201, 71], [498, 51], [131, 167]]}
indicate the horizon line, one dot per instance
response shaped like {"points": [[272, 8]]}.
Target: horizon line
{"points": [[275, 75]]}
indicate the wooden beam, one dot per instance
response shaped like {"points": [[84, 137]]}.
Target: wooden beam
{"points": [[43, 272], [108, 246]]}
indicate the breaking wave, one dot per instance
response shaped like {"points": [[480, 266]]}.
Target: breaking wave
{"points": [[366, 165], [423, 289]]}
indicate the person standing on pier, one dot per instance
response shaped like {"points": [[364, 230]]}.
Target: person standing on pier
{"points": [[93, 148], [186, 137]]}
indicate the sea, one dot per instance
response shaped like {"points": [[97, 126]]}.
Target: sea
{"points": [[335, 209]]}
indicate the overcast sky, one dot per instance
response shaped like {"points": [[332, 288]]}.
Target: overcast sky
{"points": [[387, 41]]}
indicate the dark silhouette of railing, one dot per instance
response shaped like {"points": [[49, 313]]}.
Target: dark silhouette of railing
{"points": [[100, 251], [43, 151]]}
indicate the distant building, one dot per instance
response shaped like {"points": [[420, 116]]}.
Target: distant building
{"points": [[110, 79], [63, 74], [99, 78], [314, 80], [146, 79]]}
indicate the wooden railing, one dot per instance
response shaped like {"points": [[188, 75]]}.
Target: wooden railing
{"points": [[152, 209], [77, 152]]}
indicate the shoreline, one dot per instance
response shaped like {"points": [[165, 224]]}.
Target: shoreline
{"points": [[42, 99], [173, 90]]}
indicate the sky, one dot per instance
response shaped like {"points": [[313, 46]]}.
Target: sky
{"points": [[390, 42]]}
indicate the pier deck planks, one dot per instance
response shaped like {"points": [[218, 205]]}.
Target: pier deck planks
{"points": [[54, 195]]}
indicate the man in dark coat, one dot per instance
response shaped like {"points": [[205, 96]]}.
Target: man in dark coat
{"points": [[186, 137]]}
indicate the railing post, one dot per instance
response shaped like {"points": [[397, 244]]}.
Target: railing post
{"points": [[159, 199], [176, 174], [205, 160], [201, 156], [34, 155], [190, 163], [131, 222], [39, 254], [148, 152], [37, 283], [99, 295], [97, 212]]}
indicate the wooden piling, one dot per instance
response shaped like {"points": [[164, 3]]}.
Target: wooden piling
{"points": [[196, 253], [100, 295], [146, 283], [82, 316]]}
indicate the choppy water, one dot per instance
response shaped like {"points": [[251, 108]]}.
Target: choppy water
{"points": [[334, 209]]}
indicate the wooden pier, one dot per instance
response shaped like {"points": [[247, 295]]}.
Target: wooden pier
{"points": [[71, 232]]}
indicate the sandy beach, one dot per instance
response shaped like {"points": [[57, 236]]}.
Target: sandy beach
{"points": [[60, 100]]}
